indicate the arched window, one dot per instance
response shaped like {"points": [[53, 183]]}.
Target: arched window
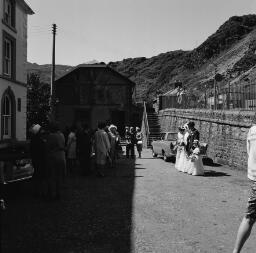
{"points": [[8, 115]]}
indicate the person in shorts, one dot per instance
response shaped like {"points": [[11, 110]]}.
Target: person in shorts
{"points": [[249, 219]]}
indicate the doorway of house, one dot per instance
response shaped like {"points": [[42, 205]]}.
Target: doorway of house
{"points": [[83, 116], [118, 119]]}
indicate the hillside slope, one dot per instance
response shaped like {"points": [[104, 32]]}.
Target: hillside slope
{"points": [[230, 50]]}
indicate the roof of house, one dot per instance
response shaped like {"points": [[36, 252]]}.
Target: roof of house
{"points": [[98, 65], [26, 7]]}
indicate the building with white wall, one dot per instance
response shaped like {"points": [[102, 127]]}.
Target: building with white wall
{"points": [[13, 75]]}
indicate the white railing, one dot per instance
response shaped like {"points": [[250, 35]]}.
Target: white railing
{"points": [[145, 127]]}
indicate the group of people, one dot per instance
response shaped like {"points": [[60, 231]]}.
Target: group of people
{"points": [[133, 137], [52, 154], [48, 159], [55, 154], [82, 143], [188, 158]]}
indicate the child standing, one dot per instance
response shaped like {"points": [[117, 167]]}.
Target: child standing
{"points": [[249, 219], [196, 167]]}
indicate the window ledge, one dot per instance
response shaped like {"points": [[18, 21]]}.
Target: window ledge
{"points": [[9, 26], [12, 80]]}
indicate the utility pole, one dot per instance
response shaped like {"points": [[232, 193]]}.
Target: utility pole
{"points": [[54, 28]]}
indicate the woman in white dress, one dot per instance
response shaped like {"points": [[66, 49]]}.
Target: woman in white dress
{"points": [[196, 167], [180, 147], [183, 159]]}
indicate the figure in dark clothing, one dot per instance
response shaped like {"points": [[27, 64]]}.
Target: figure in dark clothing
{"points": [[38, 156], [55, 160], [130, 138], [127, 137], [133, 141], [193, 135], [83, 149]]}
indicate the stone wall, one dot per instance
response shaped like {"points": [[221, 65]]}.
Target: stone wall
{"points": [[224, 131]]}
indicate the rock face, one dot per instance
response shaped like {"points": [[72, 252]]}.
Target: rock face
{"points": [[230, 50]]}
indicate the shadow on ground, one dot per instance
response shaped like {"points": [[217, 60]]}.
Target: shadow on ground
{"points": [[208, 161], [212, 173], [94, 215]]}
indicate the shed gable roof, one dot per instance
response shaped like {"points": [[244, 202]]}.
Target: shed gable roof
{"points": [[95, 73]]}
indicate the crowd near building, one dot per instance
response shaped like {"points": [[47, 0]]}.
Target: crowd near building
{"points": [[93, 93]]}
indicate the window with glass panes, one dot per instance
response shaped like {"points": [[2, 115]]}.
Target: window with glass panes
{"points": [[7, 117], [9, 12], [7, 57]]}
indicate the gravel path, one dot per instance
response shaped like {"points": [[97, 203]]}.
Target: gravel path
{"points": [[142, 206]]}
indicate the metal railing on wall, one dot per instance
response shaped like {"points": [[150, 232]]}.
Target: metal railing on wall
{"points": [[225, 98]]}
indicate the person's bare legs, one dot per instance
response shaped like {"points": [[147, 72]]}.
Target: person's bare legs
{"points": [[243, 233]]}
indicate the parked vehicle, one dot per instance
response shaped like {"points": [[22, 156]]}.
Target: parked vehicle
{"points": [[167, 148], [15, 162]]}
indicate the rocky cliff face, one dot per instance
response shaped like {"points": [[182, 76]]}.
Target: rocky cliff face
{"points": [[230, 51]]}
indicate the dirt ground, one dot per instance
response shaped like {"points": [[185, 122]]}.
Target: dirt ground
{"points": [[142, 205]]}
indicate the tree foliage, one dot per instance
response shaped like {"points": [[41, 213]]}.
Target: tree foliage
{"points": [[38, 100]]}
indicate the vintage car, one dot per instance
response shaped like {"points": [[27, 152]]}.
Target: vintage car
{"points": [[15, 162], [166, 146]]}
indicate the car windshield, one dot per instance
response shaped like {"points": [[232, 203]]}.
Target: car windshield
{"points": [[162, 136], [171, 136]]}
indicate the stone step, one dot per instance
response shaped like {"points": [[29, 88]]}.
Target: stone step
{"points": [[153, 122]]}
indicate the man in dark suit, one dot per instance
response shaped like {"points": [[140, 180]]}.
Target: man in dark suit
{"points": [[193, 135], [84, 147]]}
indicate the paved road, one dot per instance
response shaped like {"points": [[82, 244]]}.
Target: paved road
{"points": [[175, 212], [142, 206]]}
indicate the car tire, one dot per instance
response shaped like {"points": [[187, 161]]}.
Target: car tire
{"points": [[165, 157], [154, 154]]}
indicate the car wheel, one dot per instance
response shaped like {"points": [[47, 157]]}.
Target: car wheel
{"points": [[153, 153], [165, 157]]}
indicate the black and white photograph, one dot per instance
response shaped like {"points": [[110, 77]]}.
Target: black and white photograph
{"points": [[127, 126]]}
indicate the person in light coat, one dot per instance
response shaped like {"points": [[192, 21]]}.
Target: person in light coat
{"points": [[101, 148], [71, 150], [113, 139], [249, 219]]}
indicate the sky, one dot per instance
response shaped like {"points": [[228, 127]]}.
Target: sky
{"points": [[112, 30]]}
